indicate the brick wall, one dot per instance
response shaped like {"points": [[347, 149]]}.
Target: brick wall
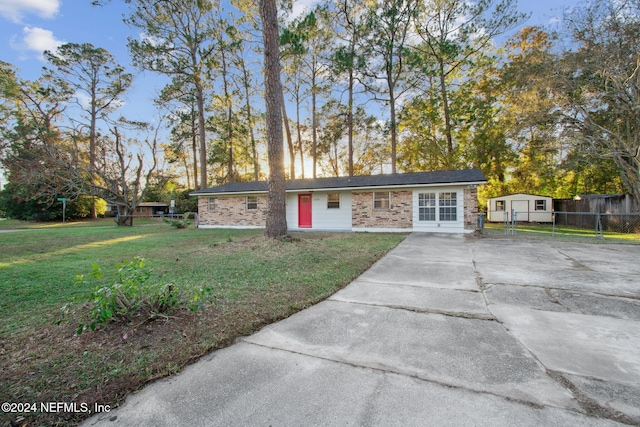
{"points": [[399, 215], [232, 211], [471, 208]]}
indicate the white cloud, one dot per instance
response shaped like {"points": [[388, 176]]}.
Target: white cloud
{"points": [[36, 40], [14, 10], [301, 7], [83, 99], [153, 41]]}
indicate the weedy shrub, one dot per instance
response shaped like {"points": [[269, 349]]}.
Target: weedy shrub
{"points": [[132, 295], [184, 223]]}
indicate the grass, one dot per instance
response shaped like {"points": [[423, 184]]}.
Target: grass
{"points": [[13, 224], [563, 232], [255, 281]]}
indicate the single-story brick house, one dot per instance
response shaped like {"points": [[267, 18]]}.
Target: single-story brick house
{"points": [[441, 201]]}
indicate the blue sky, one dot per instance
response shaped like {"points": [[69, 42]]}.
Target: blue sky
{"points": [[28, 27]]}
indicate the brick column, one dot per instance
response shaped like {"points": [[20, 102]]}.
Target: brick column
{"points": [[471, 207]]}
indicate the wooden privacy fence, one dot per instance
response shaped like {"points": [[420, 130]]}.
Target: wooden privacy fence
{"points": [[619, 213], [601, 203]]}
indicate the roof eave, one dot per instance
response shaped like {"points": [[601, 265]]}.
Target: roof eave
{"points": [[230, 193], [374, 187], [360, 188]]}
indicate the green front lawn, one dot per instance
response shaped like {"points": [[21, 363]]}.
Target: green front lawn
{"points": [[14, 224], [254, 281]]}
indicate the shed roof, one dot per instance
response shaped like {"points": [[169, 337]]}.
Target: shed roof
{"points": [[520, 194], [468, 176]]}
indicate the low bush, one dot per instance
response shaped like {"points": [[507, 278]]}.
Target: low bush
{"points": [[132, 295], [177, 223]]}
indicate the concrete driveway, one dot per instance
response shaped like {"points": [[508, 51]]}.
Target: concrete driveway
{"points": [[444, 330]]}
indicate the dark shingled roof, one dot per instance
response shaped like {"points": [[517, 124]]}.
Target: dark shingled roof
{"points": [[345, 182]]}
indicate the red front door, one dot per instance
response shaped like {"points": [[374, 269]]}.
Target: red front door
{"points": [[304, 210]]}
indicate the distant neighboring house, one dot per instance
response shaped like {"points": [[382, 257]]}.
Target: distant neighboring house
{"points": [[442, 201], [152, 208], [528, 208], [143, 209]]}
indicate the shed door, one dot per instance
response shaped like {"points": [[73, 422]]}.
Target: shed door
{"points": [[522, 208], [304, 210]]}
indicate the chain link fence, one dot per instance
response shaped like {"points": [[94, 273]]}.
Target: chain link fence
{"points": [[621, 223], [569, 223], [601, 223]]}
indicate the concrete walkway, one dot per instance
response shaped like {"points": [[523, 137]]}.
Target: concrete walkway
{"points": [[444, 330]]}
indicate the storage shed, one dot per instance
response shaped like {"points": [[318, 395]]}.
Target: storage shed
{"points": [[527, 207]]}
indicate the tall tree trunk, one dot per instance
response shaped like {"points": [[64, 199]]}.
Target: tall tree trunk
{"points": [[299, 133], [301, 161], [392, 117], [292, 152], [350, 120], [227, 99], [194, 148], [447, 119], [254, 151], [201, 133], [336, 164], [92, 153], [276, 225], [186, 170], [352, 63], [232, 174], [314, 125]]}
